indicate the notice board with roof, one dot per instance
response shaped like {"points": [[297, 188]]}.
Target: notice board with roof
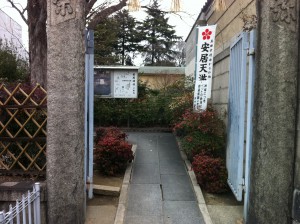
{"points": [[116, 81]]}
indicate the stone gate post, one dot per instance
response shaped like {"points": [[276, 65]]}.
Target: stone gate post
{"points": [[65, 127], [274, 118]]}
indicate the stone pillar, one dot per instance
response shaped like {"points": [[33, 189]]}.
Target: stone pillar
{"points": [[274, 119], [65, 127]]}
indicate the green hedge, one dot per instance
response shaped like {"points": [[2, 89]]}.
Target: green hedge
{"points": [[150, 109]]}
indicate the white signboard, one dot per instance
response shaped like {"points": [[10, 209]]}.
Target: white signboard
{"points": [[204, 66], [111, 83], [125, 84]]}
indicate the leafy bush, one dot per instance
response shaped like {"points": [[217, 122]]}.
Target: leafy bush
{"points": [[150, 109], [202, 137], [198, 142], [206, 122], [211, 173], [110, 132], [187, 123], [180, 104], [12, 67], [182, 96], [112, 152]]}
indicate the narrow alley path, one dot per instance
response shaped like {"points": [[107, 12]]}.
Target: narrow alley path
{"points": [[160, 190]]}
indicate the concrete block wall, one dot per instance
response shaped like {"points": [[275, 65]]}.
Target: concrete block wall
{"points": [[230, 22], [220, 85], [229, 25]]}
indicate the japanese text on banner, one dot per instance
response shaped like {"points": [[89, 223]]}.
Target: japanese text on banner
{"points": [[204, 66]]}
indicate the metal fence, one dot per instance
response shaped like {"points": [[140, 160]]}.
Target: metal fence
{"points": [[23, 128], [26, 210]]}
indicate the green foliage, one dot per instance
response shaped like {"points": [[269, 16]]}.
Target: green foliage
{"points": [[211, 173], [201, 133], [207, 122], [202, 137], [112, 152], [105, 38], [182, 98], [117, 40], [150, 109], [128, 37], [12, 68], [202, 143], [159, 38]]}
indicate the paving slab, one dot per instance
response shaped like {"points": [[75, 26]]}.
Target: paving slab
{"points": [[167, 147], [146, 156], [137, 219], [144, 200], [182, 212], [172, 155], [160, 190], [166, 138], [132, 137], [104, 214], [169, 166], [177, 188], [145, 174]]}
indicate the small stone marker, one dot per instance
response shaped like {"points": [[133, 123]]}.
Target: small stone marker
{"points": [[106, 190]]}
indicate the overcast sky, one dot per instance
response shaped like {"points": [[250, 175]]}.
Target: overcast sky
{"points": [[182, 23]]}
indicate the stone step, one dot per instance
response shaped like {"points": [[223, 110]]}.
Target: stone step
{"points": [[106, 190]]}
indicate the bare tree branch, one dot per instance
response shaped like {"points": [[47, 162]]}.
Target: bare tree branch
{"points": [[98, 17], [19, 11], [89, 6], [96, 10]]}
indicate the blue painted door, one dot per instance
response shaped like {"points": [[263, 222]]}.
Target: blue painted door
{"points": [[236, 115]]}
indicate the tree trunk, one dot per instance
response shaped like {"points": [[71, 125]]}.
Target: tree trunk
{"points": [[65, 124], [37, 15]]}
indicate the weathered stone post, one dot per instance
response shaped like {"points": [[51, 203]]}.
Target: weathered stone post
{"points": [[65, 140], [277, 58]]}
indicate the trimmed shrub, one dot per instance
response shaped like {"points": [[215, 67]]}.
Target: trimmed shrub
{"points": [[112, 152], [152, 108], [211, 173], [110, 132], [207, 122], [201, 143], [188, 122]]}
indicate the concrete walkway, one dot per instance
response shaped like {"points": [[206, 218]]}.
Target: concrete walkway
{"points": [[160, 190]]}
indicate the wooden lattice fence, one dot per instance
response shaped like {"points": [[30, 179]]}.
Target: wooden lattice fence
{"points": [[23, 118]]}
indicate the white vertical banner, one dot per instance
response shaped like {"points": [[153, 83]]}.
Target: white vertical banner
{"points": [[204, 66]]}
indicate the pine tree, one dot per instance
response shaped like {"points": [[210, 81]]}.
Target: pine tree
{"points": [[117, 40], [128, 37], [105, 40], [159, 37]]}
